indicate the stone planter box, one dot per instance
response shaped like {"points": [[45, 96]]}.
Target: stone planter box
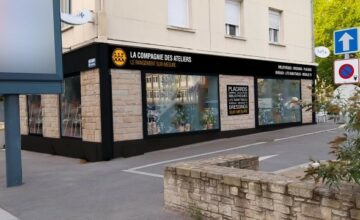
{"points": [[230, 187]]}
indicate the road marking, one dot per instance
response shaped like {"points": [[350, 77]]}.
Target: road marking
{"points": [[135, 169], [161, 176], [304, 165], [4, 215], [144, 173], [195, 156], [306, 134]]}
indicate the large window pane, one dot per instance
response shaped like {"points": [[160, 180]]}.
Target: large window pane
{"points": [[181, 103], [278, 101], [35, 114], [71, 108]]}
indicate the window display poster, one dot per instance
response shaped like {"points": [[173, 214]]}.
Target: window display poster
{"points": [[238, 99]]}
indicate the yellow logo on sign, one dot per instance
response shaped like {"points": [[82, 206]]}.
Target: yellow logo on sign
{"points": [[119, 57]]}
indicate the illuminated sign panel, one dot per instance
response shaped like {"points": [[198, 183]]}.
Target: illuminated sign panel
{"points": [[30, 46]]}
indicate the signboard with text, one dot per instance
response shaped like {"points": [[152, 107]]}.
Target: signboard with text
{"points": [[123, 57], [30, 42], [237, 99]]}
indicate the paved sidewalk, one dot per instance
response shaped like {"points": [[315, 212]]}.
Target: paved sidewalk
{"points": [[59, 188]]}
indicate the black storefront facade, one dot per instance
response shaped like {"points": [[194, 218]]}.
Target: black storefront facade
{"points": [[152, 99]]}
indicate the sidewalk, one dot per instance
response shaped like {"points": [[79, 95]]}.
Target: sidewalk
{"points": [[60, 188]]}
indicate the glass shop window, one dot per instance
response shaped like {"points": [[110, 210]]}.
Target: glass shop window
{"points": [[181, 103], [278, 101], [35, 114], [71, 123]]}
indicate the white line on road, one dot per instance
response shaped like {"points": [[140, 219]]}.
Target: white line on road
{"points": [[306, 134], [161, 176], [4, 215], [134, 169], [195, 156], [304, 165], [144, 173]]}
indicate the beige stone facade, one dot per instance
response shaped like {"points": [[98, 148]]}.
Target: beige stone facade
{"points": [[127, 105], [51, 116], [306, 93], [229, 187], [90, 106], [24, 129], [236, 122]]}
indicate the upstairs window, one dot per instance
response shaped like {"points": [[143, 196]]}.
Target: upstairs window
{"points": [[65, 6], [232, 18], [274, 26], [178, 13]]}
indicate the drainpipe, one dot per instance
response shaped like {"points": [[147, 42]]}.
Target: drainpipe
{"points": [[101, 20]]}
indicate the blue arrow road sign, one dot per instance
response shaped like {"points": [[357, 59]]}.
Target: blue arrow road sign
{"points": [[346, 41]]}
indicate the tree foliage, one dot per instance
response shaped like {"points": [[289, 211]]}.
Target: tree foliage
{"points": [[331, 15]]}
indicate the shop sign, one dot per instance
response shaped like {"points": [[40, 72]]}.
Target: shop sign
{"points": [[293, 70], [238, 99], [166, 60], [145, 58]]}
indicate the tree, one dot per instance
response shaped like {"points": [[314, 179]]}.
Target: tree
{"points": [[331, 15]]}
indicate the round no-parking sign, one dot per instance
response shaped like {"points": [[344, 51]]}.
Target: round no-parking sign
{"points": [[346, 71]]}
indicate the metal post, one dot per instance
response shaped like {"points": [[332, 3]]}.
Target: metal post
{"points": [[12, 141]]}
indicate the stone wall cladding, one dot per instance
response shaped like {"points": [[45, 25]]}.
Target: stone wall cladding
{"points": [[90, 106], [51, 115], [238, 121], [127, 105], [225, 192], [24, 127], [306, 94]]}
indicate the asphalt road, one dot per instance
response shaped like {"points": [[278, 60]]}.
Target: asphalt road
{"points": [[132, 188]]}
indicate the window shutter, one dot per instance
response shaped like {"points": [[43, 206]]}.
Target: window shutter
{"points": [[274, 18], [232, 12], [178, 13]]}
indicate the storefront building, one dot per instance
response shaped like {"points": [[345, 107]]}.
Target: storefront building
{"points": [[191, 78]]}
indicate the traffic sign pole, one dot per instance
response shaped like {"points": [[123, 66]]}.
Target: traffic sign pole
{"points": [[12, 141]]}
